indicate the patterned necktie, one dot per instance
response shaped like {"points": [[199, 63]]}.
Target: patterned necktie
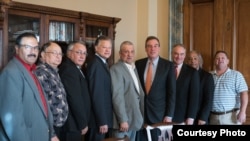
{"points": [[149, 77]]}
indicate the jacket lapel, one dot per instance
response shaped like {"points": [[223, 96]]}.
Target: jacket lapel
{"points": [[125, 68], [158, 73], [32, 85]]}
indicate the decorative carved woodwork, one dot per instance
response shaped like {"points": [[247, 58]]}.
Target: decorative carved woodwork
{"points": [[44, 14]]}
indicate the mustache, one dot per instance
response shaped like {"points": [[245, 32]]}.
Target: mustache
{"points": [[32, 55]]}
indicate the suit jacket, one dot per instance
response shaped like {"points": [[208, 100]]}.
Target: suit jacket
{"points": [[128, 102], [22, 116], [206, 95], [160, 101], [100, 93], [187, 94], [77, 95]]}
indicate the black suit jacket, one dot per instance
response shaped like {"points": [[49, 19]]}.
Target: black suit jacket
{"points": [[100, 93], [187, 94], [206, 95], [77, 95], [160, 101]]}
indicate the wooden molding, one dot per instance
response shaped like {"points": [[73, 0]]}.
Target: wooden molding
{"points": [[3, 5], [201, 1], [94, 17], [2, 2], [44, 9], [81, 20]]}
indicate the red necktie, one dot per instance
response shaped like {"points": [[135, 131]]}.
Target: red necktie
{"points": [[176, 71], [149, 77]]}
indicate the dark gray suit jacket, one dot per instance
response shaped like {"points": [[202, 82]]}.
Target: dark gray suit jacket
{"points": [[187, 94], [128, 102], [160, 101], [77, 95], [22, 116], [206, 95]]}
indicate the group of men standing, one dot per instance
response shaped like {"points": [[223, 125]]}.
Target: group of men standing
{"points": [[59, 101]]}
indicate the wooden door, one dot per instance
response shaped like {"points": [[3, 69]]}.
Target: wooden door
{"points": [[242, 42], [198, 29], [211, 25], [242, 38]]}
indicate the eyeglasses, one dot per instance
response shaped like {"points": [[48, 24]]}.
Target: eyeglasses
{"points": [[80, 52], [28, 47], [55, 53]]}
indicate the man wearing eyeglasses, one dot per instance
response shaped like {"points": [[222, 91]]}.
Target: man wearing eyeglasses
{"points": [[76, 87], [51, 57], [24, 111]]}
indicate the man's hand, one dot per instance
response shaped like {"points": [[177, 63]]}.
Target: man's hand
{"points": [[124, 126], [103, 129], [54, 138], [84, 130], [189, 121], [167, 119]]}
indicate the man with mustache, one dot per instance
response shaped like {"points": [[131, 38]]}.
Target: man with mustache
{"points": [[206, 92], [24, 111]]}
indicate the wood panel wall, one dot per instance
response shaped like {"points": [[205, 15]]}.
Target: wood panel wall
{"points": [[211, 25]]}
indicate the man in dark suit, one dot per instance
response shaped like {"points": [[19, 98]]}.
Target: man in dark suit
{"points": [[206, 88], [24, 111], [187, 84], [76, 88], [100, 91], [160, 98], [128, 95]]}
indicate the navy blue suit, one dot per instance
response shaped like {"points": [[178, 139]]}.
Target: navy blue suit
{"points": [[160, 101], [99, 80]]}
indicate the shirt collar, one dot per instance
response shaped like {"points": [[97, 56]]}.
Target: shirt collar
{"points": [[132, 66], [104, 60], [179, 66], [215, 73], [155, 61], [27, 66]]}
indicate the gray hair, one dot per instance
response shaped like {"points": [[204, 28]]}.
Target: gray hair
{"points": [[199, 57], [71, 45]]}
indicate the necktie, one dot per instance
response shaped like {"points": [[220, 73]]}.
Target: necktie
{"points": [[176, 71], [149, 77], [81, 71], [107, 65]]}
